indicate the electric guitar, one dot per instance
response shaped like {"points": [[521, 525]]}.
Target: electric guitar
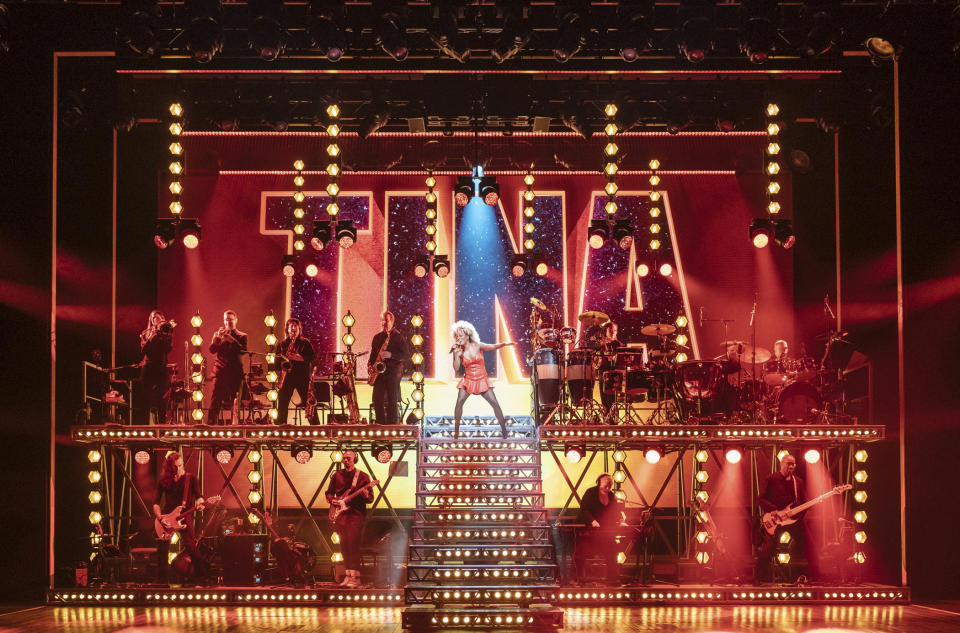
{"points": [[175, 518], [339, 504], [770, 520]]}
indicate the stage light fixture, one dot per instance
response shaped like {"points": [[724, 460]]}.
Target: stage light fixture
{"points": [[464, 190], [760, 231], [326, 30], [572, 32], [518, 265], [823, 34], [490, 192], [311, 270], [783, 233], [733, 455], [666, 269], [204, 32], [598, 233], [539, 264], [346, 233], [302, 453], [694, 40], [288, 265], [757, 39], [635, 32], [375, 119], [382, 453], [421, 267], [622, 234], [142, 457], [574, 452], [164, 233], [223, 454], [577, 120], [643, 270], [190, 233], [514, 35], [391, 35], [445, 34], [321, 234], [652, 455], [811, 456], [441, 265], [138, 26], [265, 31]]}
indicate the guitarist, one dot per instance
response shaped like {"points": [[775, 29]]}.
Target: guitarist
{"points": [[782, 489], [176, 488], [349, 523], [389, 348]]}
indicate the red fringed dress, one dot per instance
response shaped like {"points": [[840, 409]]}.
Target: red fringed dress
{"points": [[474, 379]]}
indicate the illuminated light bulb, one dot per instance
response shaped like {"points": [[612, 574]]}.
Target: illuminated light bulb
{"points": [[196, 320], [416, 339], [654, 228], [611, 207], [298, 165], [860, 455], [176, 148], [272, 395], [783, 558], [416, 320], [620, 495], [611, 188], [197, 415], [95, 517], [253, 518], [176, 129], [611, 149], [860, 476], [860, 516], [299, 229], [431, 214], [652, 455], [682, 339], [417, 395], [654, 180], [176, 168], [298, 213], [610, 169], [610, 109], [196, 378], [416, 358], [528, 244], [333, 208], [702, 537], [812, 456], [176, 109], [773, 149], [430, 229], [621, 558], [270, 358], [333, 129], [610, 129], [298, 181], [417, 377], [431, 246], [348, 320], [702, 456], [254, 456], [528, 180], [773, 129], [333, 110], [94, 456], [619, 456], [333, 150], [619, 476], [196, 340], [773, 208], [773, 169], [681, 357], [272, 376], [333, 169], [197, 396], [773, 109], [860, 558], [254, 496], [529, 227], [348, 339], [528, 212], [298, 196], [773, 188], [654, 244], [643, 270], [703, 558], [702, 476], [860, 496], [431, 197], [860, 537], [95, 496], [654, 212], [703, 496], [760, 240], [270, 339], [418, 413], [785, 538]]}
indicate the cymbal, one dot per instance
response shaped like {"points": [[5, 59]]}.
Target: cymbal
{"points": [[593, 317], [756, 354], [658, 329], [726, 344]]}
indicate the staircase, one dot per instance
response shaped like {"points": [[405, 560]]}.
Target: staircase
{"points": [[480, 554]]}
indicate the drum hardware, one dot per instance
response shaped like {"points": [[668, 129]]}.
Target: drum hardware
{"points": [[593, 318], [658, 329]]}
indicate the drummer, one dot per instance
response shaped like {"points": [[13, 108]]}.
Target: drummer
{"points": [[781, 355]]}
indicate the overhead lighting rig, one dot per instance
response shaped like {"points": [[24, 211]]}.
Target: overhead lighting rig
{"points": [[763, 229], [610, 228]]}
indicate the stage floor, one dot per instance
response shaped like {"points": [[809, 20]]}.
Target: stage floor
{"points": [[729, 619]]}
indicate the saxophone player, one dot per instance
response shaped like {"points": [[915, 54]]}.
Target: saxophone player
{"points": [[388, 350], [298, 352]]}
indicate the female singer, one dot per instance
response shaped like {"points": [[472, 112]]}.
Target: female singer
{"points": [[468, 350], [156, 342]]}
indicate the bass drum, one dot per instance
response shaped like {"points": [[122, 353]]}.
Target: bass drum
{"points": [[580, 374], [798, 403], [548, 376]]}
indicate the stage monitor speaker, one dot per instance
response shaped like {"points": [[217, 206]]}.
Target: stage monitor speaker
{"points": [[541, 124], [417, 125], [244, 559]]}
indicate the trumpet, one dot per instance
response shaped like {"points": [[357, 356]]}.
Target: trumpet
{"points": [[167, 327]]}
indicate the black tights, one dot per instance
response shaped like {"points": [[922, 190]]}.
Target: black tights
{"points": [[489, 397]]}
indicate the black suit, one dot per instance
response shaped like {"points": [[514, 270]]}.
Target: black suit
{"points": [[386, 390], [598, 540], [296, 377], [153, 372], [228, 370], [778, 493]]}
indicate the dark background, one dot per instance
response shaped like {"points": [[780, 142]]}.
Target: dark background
{"points": [[929, 99]]}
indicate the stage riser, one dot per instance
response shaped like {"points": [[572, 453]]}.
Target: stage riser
{"points": [[468, 535], [493, 575]]}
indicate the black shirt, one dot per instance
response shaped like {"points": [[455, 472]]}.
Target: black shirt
{"points": [[397, 348], [779, 492], [591, 509], [155, 350], [229, 354], [341, 483], [302, 346], [171, 496]]}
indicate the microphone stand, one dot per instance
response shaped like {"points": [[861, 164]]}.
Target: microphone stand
{"points": [[753, 356]]}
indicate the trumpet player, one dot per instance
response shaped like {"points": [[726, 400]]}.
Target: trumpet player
{"points": [[229, 344], [388, 350], [156, 342], [298, 354]]}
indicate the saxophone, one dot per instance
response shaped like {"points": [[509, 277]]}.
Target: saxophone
{"points": [[349, 374], [378, 366]]}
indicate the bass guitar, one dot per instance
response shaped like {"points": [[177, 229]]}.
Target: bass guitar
{"points": [[166, 524], [339, 504], [770, 520]]}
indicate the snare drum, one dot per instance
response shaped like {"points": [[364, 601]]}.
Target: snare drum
{"points": [[580, 374], [548, 376], [798, 403], [548, 336]]}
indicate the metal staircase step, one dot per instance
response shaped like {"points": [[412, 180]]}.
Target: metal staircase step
{"points": [[423, 617], [471, 534], [491, 517], [520, 595], [481, 553], [544, 573]]}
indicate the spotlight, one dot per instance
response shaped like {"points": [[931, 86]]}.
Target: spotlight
{"points": [[190, 233], [490, 191], [382, 453], [652, 455], [811, 456], [390, 32], [376, 119], [880, 49], [223, 454], [757, 39], [572, 33], [783, 233], [694, 38], [288, 265], [539, 265], [636, 36], [678, 115], [666, 269], [622, 234], [760, 230], [518, 265], [422, 266], [326, 28], [577, 120], [598, 233], [311, 270], [513, 37], [204, 32], [643, 270], [822, 36], [734, 456], [138, 26], [464, 190], [164, 233], [321, 234], [302, 453], [265, 32], [575, 452], [446, 36], [441, 265], [142, 457], [346, 233]]}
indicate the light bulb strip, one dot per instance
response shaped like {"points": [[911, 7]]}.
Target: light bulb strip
{"points": [[197, 372], [529, 213], [176, 166], [299, 230], [431, 213], [610, 163], [771, 159], [348, 338], [416, 321], [273, 378], [255, 496], [655, 229], [334, 160], [860, 514]]}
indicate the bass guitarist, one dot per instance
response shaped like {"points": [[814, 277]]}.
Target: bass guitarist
{"points": [[782, 489], [350, 521], [176, 489], [387, 353]]}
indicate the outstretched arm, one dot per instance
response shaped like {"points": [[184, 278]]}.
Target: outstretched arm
{"points": [[487, 347]]}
